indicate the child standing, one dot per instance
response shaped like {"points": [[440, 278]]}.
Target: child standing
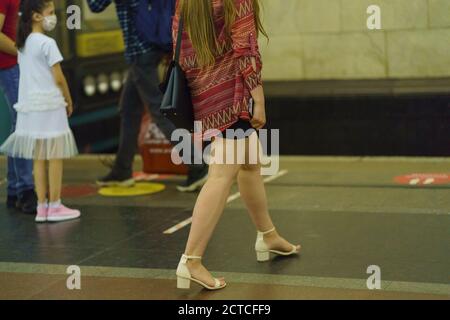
{"points": [[42, 131]]}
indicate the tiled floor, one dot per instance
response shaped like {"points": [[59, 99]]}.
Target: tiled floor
{"points": [[348, 214]]}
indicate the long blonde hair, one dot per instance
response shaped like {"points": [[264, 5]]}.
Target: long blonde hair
{"points": [[199, 23]]}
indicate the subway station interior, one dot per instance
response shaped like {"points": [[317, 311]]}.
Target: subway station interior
{"points": [[363, 180]]}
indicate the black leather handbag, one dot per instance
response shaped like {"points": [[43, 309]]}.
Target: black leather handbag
{"points": [[177, 102]]}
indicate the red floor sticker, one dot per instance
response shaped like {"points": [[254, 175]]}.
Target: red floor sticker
{"points": [[78, 191], [423, 179]]}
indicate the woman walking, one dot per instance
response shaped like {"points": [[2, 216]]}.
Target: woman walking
{"points": [[221, 59]]}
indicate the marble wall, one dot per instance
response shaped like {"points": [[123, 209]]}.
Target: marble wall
{"points": [[329, 39]]}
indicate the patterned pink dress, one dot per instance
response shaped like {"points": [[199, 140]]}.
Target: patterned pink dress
{"points": [[221, 92]]}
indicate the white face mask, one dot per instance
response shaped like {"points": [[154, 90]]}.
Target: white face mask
{"points": [[49, 22]]}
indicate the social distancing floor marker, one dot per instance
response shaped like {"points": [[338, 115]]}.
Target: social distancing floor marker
{"points": [[139, 189], [231, 198], [423, 179], [78, 190]]}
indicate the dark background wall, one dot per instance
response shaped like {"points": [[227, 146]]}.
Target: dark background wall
{"points": [[390, 125]]}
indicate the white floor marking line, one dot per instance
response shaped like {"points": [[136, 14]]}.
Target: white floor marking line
{"points": [[231, 198], [178, 226], [274, 177]]}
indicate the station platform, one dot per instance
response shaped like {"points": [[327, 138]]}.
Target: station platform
{"points": [[348, 213]]}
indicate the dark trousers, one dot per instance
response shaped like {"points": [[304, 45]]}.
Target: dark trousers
{"points": [[141, 87]]}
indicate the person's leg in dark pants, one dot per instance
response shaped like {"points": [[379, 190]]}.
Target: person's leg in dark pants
{"points": [[20, 171], [147, 82], [130, 106], [142, 87]]}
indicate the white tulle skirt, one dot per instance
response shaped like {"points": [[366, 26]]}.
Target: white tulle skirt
{"points": [[41, 135]]}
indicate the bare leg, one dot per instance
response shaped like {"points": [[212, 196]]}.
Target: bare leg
{"points": [[40, 180], [207, 212], [253, 192], [55, 177]]}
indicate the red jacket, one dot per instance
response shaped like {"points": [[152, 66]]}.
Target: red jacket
{"points": [[9, 8]]}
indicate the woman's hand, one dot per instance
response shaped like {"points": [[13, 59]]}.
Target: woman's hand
{"points": [[259, 115]]}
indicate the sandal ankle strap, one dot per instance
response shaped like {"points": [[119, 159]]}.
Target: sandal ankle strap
{"points": [[185, 258], [267, 232]]}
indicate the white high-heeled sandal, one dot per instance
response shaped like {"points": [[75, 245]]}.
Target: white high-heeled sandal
{"points": [[262, 250], [184, 277]]}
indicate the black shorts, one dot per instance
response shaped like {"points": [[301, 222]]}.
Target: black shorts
{"points": [[244, 128]]}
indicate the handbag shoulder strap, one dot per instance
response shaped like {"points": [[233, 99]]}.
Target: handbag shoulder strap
{"points": [[179, 38]]}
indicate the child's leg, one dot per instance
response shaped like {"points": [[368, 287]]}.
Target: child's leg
{"points": [[57, 211], [40, 180], [55, 177]]}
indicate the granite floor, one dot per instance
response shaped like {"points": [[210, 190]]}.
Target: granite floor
{"points": [[348, 214]]}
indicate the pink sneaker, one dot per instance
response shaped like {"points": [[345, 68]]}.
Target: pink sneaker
{"points": [[42, 213], [62, 213]]}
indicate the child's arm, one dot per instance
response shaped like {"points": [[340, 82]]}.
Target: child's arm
{"points": [[6, 44], [61, 82]]}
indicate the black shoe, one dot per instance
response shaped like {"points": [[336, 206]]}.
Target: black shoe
{"points": [[113, 180], [197, 177], [28, 202], [11, 202]]}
